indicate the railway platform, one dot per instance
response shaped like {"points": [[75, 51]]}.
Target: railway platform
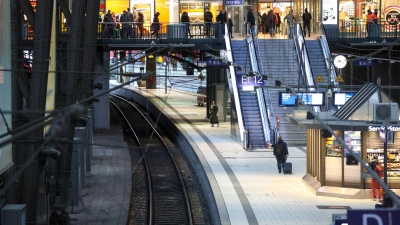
{"points": [[246, 184]]}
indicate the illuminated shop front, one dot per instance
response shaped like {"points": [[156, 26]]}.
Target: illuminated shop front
{"points": [[358, 124]]}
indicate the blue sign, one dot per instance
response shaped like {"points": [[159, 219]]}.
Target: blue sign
{"points": [[372, 217], [313, 99], [215, 62], [246, 80], [363, 62], [233, 2]]}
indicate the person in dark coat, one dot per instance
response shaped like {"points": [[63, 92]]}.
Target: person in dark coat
{"points": [[264, 24], [185, 20], [223, 19], [281, 152], [230, 27], [156, 24], [213, 114], [278, 25], [306, 22], [208, 16], [140, 22], [251, 21], [124, 21]]}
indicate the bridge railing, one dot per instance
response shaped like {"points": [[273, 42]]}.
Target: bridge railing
{"points": [[353, 30], [137, 31]]}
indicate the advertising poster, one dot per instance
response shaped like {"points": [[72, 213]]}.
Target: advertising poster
{"points": [[392, 18], [329, 12]]}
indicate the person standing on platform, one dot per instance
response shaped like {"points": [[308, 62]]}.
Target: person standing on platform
{"points": [[376, 16], [281, 152], [271, 19], [278, 25], [213, 114], [222, 19], [208, 17], [230, 27], [155, 26], [140, 22], [377, 167], [306, 22], [186, 21], [130, 20]]}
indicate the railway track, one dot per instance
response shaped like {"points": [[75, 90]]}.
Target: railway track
{"points": [[159, 194]]}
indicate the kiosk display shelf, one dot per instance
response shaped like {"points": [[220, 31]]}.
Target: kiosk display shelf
{"points": [[393, 163]]}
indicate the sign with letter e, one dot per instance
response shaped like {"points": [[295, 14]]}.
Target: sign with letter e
{"points": [[372, 217]]}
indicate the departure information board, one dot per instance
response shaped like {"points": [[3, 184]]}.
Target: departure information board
{"points": [[312, 99]]}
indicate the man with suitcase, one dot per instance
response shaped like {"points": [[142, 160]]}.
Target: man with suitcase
{"points": [[281, 152]]}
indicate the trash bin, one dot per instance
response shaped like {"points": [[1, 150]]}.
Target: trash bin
{"points": [[177, 31]]}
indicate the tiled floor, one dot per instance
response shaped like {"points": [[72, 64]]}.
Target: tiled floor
{"points": [[252, 190]]}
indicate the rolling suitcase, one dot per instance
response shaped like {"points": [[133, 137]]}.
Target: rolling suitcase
{"points": [[287, 168]]}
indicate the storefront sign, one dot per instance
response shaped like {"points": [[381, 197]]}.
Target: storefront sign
{"points": [[246, 80], [389, 128], [233, 2], [370, 217], [363, 62]]}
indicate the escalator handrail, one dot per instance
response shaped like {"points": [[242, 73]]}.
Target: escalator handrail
{"points": [[304, 61], [327, 55], [229, 56], [267, 101]]}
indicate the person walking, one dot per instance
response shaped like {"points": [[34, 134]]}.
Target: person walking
{"points": [[208, 17], [290, 22], [306, 22], [186, 21], [213, 114], [271, 19], [140, 22], [377, 167], [155, 26], [264, 26], [251, 21], [281, 152]]}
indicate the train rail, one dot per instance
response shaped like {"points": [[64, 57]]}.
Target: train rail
{"points": [[159, 194]]}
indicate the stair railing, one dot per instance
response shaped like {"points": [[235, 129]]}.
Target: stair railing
{"points": [[232, 73]]}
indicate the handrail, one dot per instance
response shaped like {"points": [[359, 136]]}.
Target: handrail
{"points": [[267, 102], [260, 96], [327, 55], [304, 61], [232, 72]]}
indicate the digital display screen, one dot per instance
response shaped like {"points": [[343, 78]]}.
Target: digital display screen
{"points": [[312, 99], [340, 98]]}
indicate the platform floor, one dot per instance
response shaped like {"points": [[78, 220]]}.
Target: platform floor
{"points": [[247, 185]]}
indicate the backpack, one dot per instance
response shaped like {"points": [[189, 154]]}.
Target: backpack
{"points": [[279, 149]]}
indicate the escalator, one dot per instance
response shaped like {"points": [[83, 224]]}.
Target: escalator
{"points": [[248, 99], [317, 62]]}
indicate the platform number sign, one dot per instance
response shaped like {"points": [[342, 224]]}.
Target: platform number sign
{"points": [[246, 80]]}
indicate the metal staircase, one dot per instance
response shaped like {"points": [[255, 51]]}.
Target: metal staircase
{"points": [[248, 100], [278, 58]]}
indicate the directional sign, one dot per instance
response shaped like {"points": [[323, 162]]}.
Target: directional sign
{"points": [[319, 78], [339, 78], [246, 80], [214, 62], [372, 217], [363, 62]]}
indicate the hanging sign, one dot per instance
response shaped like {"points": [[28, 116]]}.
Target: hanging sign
{"points": [[233, 2]]}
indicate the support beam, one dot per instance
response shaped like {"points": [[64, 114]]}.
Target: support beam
{"points": [[41, 54], [65, 10], [29, 12]]}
